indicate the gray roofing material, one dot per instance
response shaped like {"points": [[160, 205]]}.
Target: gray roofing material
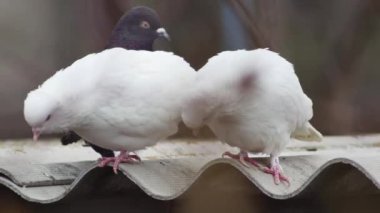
{"points": [[40, 172]]}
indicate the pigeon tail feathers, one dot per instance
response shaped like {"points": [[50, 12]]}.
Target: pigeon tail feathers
{"points": [[308, 133]]}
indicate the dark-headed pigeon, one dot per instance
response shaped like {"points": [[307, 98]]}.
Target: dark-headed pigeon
{"points": [[136, 30]]}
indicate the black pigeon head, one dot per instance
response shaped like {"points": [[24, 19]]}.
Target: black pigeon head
{"points": [[137, 30]]}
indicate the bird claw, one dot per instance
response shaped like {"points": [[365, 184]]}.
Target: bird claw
{"points": [[243, 158], [277, 174], [275, 170], [103, 161], [242, 161], [135, 157], [123, 157]]}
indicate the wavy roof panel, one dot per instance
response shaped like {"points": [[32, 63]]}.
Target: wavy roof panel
{"points": [[46, 172]]}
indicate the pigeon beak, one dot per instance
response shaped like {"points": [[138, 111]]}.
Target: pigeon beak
{"points": [[195, 132], [161, 32], [36, 133]]}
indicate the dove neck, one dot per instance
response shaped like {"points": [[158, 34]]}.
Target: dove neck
{"points": [[130, 42]]}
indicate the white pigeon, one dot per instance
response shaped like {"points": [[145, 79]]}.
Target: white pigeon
{"points": [[252, 100], [123, 100]]}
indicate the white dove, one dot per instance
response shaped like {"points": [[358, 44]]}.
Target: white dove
{"points": [[252, 100], [123, 100]]}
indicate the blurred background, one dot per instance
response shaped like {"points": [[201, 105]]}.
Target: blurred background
{"points": [[334, 45]]}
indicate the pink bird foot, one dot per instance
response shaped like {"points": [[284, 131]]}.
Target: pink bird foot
{"points": [[243, 158], [123, 157], [276, 171]]}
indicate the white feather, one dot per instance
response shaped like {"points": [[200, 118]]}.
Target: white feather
{"points": [[258, 117], [120, 99]]}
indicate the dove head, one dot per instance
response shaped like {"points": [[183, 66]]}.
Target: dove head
{"points": [[137, 30], [41, 112]]}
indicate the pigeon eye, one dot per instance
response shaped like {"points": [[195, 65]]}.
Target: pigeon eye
{"points": [[48, 118], [145, 25]]}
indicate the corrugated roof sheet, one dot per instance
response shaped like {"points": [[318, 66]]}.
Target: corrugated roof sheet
{"points": [[46, 172]]}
